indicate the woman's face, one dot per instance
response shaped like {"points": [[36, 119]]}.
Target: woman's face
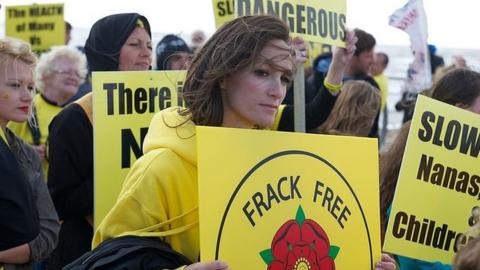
{"points": [[136, 53], [16, 88], [63, 81], [251, 97]]}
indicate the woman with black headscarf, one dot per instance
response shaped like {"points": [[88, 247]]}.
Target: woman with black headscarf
{"points": [[119, 42]]}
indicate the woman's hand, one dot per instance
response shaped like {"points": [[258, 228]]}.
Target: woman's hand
{"points": [[387, 263], [341, 56], [40, 149], [215, 265], [340, 59], [301, 52]]}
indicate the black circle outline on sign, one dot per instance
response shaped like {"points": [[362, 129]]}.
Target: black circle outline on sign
{"points": [[276, 155]]}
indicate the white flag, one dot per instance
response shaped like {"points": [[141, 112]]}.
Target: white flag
{"points": [[412, 19]]}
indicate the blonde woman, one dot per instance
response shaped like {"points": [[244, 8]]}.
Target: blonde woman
{"points": [[354, 111], [58, 74], [28, 222]]}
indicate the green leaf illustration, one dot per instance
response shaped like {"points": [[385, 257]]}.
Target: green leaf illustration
{"points": [[333, 252], [300, 217], [267, 256]]}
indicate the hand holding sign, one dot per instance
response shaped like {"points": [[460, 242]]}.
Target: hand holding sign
{"points": [[301, 52], [387, 263], [341, 56], [340, 59], [214, 265]]}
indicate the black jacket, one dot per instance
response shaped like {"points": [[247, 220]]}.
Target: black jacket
{"points": [[130, 252], [19, 222]]}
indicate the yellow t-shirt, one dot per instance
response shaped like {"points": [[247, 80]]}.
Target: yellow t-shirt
{"points": [[45, 113], [382, 82]]}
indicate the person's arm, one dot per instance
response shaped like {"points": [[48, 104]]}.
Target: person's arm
{"points": [[340, 59], [16, 255], [70, 176], [46, 241], [318, 110]]}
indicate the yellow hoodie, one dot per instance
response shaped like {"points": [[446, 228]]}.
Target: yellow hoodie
{"points": [[159, 196]]}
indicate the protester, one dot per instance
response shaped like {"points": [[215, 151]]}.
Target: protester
{"points": [[468, 258], [436, 61], [390, 162], [359, 66], [68, 32], [406, 104], [354, 111], [468, 255], [461, 88], [58, 75], [458, 62], [198, 40], [172, 53], [319, 99], [377, 70], [237, 80], [28, 221], [116, 42]]}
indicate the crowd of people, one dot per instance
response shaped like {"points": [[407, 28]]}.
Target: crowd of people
{"points": [[237, 78]]}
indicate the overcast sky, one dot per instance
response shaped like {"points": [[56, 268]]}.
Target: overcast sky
{"points": [[452, 24]]}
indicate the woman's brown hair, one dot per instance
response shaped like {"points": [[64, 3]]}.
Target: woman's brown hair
{"points": [[234, 47], [459, 87], [354, 111], [390, 162]]}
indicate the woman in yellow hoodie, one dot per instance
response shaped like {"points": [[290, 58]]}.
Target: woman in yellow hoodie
{"points": [[238, 80]]}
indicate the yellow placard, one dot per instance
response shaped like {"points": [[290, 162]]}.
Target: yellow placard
{"points": [[316, 21], [439, 183], [223, 11], [123, 105], [270, 199], [41, 25]]}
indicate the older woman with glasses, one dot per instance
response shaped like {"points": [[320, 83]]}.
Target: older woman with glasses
{"points": [[58, 75]]}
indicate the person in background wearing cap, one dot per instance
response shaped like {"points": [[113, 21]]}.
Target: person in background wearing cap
{"points": [[172, 53]]}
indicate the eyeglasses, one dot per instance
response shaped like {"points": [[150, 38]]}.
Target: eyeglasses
{"points": [[71, 72]]}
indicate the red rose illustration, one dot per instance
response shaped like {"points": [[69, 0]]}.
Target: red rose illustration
{"points": [[301, 244]]}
